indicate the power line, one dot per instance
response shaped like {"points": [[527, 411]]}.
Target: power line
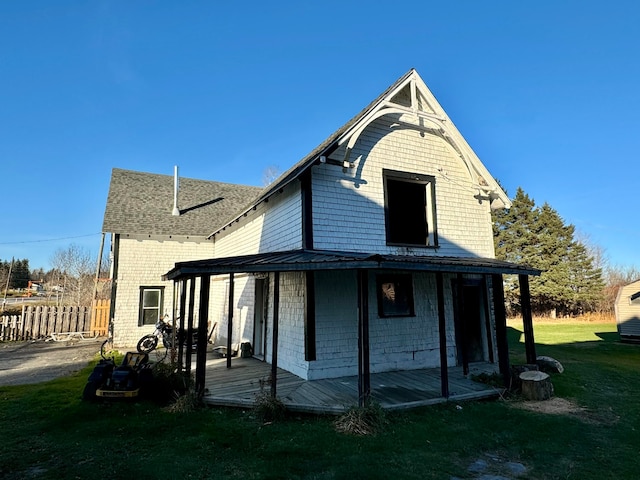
{"points": [[49, 239]]}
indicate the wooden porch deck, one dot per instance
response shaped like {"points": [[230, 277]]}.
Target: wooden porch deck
{"points": [[247, 377]]}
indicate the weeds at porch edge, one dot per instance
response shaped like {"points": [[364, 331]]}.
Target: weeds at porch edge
{"points": [[186, 402], [367, 420], [268, 408]]}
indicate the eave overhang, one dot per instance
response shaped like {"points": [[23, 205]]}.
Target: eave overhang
{"points": [[311, 260]]}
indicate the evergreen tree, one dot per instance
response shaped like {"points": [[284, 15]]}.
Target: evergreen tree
{"points": [[4, 273], [538, 237], [20, 274], [511, 230]]}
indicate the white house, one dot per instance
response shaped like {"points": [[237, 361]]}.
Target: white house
{"points": [[374, 253], [147, 240]]}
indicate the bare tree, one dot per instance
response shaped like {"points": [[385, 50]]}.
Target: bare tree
{"points": [[617, 276], [597, 253], [75, 265]]}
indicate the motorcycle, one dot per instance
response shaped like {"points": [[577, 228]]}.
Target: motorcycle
{"points": [[164, 330]]}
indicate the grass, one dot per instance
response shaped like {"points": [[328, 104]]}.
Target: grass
{"points": [[47, 432]]}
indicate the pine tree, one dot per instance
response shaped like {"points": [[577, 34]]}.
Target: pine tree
{"points": [[511, 231], [20, 274], [538, 237]]}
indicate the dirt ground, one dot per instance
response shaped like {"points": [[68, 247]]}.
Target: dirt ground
{"points": [[24, 363]]}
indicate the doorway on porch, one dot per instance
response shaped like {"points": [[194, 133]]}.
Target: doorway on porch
{"points": [[472, 324]]}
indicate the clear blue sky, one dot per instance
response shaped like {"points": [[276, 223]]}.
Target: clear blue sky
{"points": [[547, 93]]}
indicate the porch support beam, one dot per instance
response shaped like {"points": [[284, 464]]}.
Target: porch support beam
{"points": [[230, 319], [462, 321], [500, 314], [307, 210], [274, 335], [310, 317], [442, 333], [527, 319], [203, 328], [364, 368], [181, 316], [187, 353]]}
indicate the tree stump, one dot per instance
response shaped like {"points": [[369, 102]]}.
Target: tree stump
{"points": [[536, 385]]}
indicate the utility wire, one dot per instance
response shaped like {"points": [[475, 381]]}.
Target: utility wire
{"points": [[49, 239]]}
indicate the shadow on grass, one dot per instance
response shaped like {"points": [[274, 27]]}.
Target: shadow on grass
{"points": [[513, 335], [608, 336]]}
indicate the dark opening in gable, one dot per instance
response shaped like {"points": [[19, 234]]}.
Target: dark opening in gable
{"points": [[409, 209]]}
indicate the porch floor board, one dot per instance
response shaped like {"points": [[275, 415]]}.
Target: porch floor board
{"points": [[248, 377]]}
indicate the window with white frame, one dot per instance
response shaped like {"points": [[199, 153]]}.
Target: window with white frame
{"points": [[410, 209], [151, 299]]}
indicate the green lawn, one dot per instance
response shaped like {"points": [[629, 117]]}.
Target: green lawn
{"points": [[47, 432]]}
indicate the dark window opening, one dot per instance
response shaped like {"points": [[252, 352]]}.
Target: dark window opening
{"points": [[395, 296], [410, 209]]}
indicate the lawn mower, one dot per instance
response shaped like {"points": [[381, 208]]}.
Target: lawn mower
{"points": [[124, 381]]}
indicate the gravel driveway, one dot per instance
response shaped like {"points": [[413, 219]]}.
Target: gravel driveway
{"points": [[35, 362]]}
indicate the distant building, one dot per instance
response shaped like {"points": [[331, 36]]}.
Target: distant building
{"points": [[628, 311]]}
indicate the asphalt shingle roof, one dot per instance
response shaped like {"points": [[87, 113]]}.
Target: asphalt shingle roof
{"points": [[142, 203]]}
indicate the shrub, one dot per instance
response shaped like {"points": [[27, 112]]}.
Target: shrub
{"points": [[168, 383]]}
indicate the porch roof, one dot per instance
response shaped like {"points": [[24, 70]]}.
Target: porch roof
{"points": [[305, 260]]}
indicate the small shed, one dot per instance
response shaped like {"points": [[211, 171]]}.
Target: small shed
{"points": [[628, 312]]}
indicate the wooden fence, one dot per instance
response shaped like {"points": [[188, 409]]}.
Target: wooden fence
{"points": [[45, 322], [100, 318]]}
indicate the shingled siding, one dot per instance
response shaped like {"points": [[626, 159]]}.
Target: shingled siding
{"points": [[142, 262], [400, 343], [273, 226], [290, 324], [243, 309], [336, 325], [628, 313], [349, 207], [291, 317]]}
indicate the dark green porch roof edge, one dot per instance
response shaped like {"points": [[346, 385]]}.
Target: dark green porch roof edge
{"points": [[307, 260]]}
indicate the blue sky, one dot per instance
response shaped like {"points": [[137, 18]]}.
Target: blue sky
{"points": [[546, 93]]}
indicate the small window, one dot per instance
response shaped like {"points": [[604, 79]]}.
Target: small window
{"points": [[634, 299], [151, 301], [410, 212], [395, 296]]}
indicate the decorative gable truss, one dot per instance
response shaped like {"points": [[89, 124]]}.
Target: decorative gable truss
{"points": [[410, 96]]}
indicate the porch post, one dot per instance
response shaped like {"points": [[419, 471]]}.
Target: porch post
{"points": [[183, 311], [274, 334], [527, 320], [364, 371], [310, 317], [187, 354], [442, 332], [461, 320], [500, 315], [203, 329], [230, 320]]}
